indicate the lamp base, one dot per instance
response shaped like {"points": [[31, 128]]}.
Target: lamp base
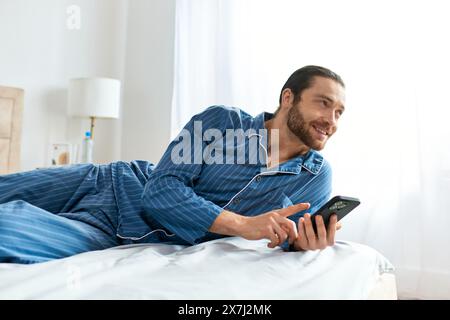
{"points": [[92, 127]]}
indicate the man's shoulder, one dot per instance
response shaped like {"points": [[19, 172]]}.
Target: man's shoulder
{"points": [[316, 163], [222, 110]]}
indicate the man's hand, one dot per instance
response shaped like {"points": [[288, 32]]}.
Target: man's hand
{"points": [[309, 240], [273, 225]]}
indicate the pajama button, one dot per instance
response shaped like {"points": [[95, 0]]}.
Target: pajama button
{"points": [[236, 201], [258, 178]]}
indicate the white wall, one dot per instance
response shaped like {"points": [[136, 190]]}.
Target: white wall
{"points": [[39, 54], [128, 40], [148, 79]]}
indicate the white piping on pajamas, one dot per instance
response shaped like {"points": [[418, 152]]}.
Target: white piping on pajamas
{"points": [[148, 233], [259, 174]]}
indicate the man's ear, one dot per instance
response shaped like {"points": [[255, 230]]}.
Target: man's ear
{"points": [[287, 99]]}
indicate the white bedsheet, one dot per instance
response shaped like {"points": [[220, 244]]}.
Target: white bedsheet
{"points": [[230, 268]]}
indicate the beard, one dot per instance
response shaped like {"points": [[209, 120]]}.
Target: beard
{"points": [[301, 129]]}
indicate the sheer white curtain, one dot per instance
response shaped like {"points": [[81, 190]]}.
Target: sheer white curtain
{"points": [[392, 149]]}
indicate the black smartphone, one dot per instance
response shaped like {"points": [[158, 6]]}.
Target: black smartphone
{"points": [[338, 205]]}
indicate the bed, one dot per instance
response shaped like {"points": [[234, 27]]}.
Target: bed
{"points": [[231, 268], [11, 108]]}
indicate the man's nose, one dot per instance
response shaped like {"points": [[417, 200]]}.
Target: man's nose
{"points": [[331, 119]]}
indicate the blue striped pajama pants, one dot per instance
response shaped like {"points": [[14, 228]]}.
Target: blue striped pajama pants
{"points": [[53, 213]]}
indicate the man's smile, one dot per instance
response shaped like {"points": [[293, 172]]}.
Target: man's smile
{"points": [[320, 132]]}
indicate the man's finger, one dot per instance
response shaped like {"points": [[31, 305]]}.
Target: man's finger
{"points": [[332, 230], [289, 211], [310, 234], [273, 239], [281, 234], [301, 240], [321, 230], [289, 227]]}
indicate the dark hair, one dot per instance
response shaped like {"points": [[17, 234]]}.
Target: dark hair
{"points": [[302, 79]]}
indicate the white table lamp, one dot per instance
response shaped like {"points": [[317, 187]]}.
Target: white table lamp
{"points": [[94, 98]]}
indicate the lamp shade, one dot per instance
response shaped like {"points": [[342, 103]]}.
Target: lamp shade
{"points": [[94, 97]]}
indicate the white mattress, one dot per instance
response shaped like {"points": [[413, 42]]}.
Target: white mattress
{"points": [[230, 268]]}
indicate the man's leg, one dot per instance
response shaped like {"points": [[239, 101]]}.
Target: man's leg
{"points": [[29, 234], [53, 189]]}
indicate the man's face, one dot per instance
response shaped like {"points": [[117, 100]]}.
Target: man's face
{"points": [[314, 118]]}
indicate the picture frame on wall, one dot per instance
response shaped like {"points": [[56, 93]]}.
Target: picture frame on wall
{"points": [[61, 154]]}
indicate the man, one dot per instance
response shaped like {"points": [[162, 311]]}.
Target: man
{"points": [[191, 196]]}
